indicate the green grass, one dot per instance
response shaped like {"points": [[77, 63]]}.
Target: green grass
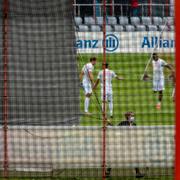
{"points": [[131, 94]]}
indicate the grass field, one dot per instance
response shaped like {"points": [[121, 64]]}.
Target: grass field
{"points": [[131, 94]]}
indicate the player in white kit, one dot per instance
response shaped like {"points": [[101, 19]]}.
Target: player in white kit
{"points": [[158, 76], [109, 75], [87, 79]]}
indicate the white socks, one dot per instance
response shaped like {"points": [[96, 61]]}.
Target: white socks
{"points": [[86, 104], [111, 108]]}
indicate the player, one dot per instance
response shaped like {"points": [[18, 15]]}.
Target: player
{"points": [[109, 75], [158, 76], [87, 79]]}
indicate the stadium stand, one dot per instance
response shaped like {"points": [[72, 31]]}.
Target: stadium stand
{"points": [[170, 20], [89, 20], [172, 28], [123, 20], [140, 28], [129, 28], [111, 20], [157, 21], [166, 28], [95, 28], [118, 28], [123, 23], [78, 21], [135, 21], [146, 21], [83, 28], [109, 28], [152, 27], [99, 20]]}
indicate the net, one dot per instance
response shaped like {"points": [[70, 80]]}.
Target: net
{"points": [[87, 89], [42, 70]]}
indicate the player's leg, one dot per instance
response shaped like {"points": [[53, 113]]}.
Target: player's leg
{"points": [[158, 86], [110, 102], [88, 93], [104, 100]]}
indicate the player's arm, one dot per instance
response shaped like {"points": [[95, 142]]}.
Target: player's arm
{"points": [[81, 75], [96, 84], [119, 78], [170, 67], [91, 77]]}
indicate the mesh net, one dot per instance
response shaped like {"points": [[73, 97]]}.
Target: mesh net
{"points": [[85, 96], [42, 69]]}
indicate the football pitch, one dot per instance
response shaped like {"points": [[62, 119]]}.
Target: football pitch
{"points": [[132, 93]]}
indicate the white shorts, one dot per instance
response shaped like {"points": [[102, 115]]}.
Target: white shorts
{"points": [[109, 96], [87, 88], [158, 85]]}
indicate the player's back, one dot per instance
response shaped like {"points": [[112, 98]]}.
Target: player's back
{"points": [[109, 75], [87, 68]]}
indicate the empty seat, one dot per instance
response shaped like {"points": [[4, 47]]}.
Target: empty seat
{"points": [[99, 20], [111, 20], [109, 28], [168, 20], [157, 21], [89, 20], [75, 28], [140, 28], [146, 20], [78, 21], [164, 28], [172, 27], [83, 28], [123, 20], [95, 28], [118, 28], [129, 28], [135, 20], [152, 28]]}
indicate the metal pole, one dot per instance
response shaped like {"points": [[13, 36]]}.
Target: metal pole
{"points": [[5, 85], [104, 94]]}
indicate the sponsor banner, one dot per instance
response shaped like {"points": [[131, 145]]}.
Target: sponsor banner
{"points": [[126, 42], [81, 147]]}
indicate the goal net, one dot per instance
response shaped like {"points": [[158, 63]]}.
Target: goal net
{"points": [[87, 89]]}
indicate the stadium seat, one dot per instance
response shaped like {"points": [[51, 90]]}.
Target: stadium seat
{"points": [[140, 28], [75, 28], [129, 28], [123, 20], [95, 28], [89, 20], [152, 28], [78, 21], [99, 20], [165, 28], [169, 20], [157, 21], [172, 27], [135, 20], [109, 28], [83, 28], [118, 28], [146, 20], [111, 20]]}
